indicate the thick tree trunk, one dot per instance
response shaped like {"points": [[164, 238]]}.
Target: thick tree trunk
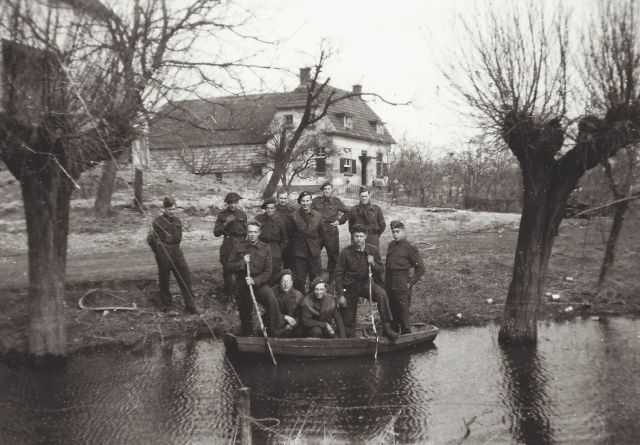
{"points": [[46, 204], [102, 205], [612, 241], [542, 213], [137, 190]]}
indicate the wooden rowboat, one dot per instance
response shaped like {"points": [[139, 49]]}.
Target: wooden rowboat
{"points": [[422, 334]]}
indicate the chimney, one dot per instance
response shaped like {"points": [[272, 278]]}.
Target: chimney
{"points": [[305, 75], [357, 89]]}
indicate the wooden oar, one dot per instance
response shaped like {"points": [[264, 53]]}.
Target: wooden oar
{"points": [[373, 322], [264, 330]]}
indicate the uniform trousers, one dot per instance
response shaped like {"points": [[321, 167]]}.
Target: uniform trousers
{"points": [[264, 296], [399, 298], [361, 289], [170, 258], [374, 240], [331, 242], [303, 266]]}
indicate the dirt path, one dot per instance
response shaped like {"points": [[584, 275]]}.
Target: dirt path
{"points": [[132, 264]]}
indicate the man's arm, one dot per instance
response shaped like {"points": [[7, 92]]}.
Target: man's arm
{"points": [[236, 263], [417, 263], [381, 222], [340, 268], [377, 267], [219, 228], [345, 212]]}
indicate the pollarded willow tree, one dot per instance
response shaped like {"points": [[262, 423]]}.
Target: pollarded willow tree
{"points": [[514, 72], [77, 77]]}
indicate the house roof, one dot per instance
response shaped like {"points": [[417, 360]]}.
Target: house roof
{"points": [[245, 120]]}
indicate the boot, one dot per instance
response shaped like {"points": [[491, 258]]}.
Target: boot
{"points": [[388, 332], [194, 310]]}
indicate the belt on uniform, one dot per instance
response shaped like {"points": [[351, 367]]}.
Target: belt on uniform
{"points": [[396, 271]]}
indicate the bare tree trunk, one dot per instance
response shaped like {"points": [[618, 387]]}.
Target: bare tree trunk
{"points": [[47, 201], [137, 190], [102, 205], [276, 177], [612, 241]]}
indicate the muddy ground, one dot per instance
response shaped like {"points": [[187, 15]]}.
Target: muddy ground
{"points": [[468, 255]]}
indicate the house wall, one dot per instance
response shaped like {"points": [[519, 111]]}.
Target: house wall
{"points": [[220, 159], [354, 149]]}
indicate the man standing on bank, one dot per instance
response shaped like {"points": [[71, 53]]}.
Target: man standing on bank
{"points": [[370, 216], [283, 209], [164, 239], [257, 255], [401, 256], [305, 231], [232, 225], [352, 278], [333, 214], [273, 233]]}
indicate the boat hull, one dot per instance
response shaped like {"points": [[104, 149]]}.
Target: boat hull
{"points": [[422, 334]]}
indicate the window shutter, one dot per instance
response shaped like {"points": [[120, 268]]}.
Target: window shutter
{"points": [[353, 166]]}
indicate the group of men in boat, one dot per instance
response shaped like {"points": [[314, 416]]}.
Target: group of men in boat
{"points": [[277, 253]]}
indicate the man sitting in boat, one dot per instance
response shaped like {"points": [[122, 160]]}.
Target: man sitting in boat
{"points": [[352, 280], [289, 300], [318, 310]]}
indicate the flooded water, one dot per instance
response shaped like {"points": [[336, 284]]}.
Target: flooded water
{"points": [[580, 385]]}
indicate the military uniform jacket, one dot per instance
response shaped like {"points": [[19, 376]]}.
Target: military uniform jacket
{"points": [[329, 208], [317, 313], [305, 232], [284, 210], [273, 233], [370, 216], [235, 229], [165, 229], [402, 256], [353, 268], [288, 301], [260, 267]]}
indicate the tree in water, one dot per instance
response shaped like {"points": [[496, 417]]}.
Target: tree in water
{"points": [[514, 75], [73, 91]]}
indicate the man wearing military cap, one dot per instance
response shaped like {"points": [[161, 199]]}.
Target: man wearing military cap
{"points": [[333, 213], [318, 310], [305, 230], [352, 282], [370, 216], [164, 239], [283, 209], [401, 257], [232, 225], [273, 233], [256, 256]]}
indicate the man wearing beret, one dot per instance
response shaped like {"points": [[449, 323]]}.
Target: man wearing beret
{"points": [[289, 301], [283, 209], [370, 216], [305, 231], [273, 233], [164, 239], [352, 281], [257, 256], [401, 257], [232, 225], [333, 213]]}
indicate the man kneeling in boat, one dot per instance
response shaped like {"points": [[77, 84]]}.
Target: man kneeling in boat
{"points": [[318, 310], [352, 278], [289, 300]]}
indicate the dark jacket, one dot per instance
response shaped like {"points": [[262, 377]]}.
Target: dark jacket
{"points": [[329, 208], [284, 210], [235, 230], [273, 233], [353, 267], [288, 301], [314, 313], [305, 233], [260, 266], [165, 229], [402, 256], [370, 216]]}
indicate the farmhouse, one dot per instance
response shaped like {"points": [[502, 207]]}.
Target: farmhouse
{"points": [[230, 136]]}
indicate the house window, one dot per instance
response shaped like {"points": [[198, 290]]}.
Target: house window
{"points": [[379, 128], [321, 160], [347, 122], [348, 166], [288, 120], [379, 165]]}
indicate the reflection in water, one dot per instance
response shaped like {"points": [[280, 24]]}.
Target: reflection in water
{"points": [[352, 398], [581, 385], [525, 381]]}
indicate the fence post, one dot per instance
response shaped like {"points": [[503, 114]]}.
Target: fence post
{"points": [[244, 412]]}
